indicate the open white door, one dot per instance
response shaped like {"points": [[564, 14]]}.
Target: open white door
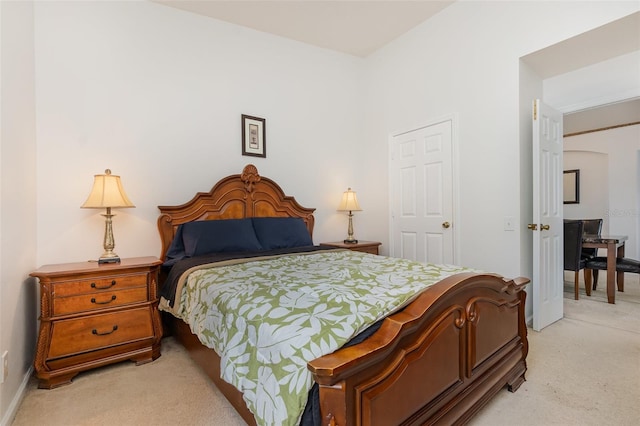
{"points": [[547, 226]]}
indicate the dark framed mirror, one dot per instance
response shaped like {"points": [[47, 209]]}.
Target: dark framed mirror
{"points": [[571, 186]]}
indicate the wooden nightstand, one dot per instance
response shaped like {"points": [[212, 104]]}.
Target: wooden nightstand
{"points": [[93, 315], [363, 246]]}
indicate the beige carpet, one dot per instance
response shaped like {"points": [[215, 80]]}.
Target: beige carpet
{"points": [[583, 370]]}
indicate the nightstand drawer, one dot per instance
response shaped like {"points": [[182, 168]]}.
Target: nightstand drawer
{"points": [[93, 332], [98, 300], [367, 249], [361, 246], [116, 282]]}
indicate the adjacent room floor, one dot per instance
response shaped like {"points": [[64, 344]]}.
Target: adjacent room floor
{"points": [[582, 370]]}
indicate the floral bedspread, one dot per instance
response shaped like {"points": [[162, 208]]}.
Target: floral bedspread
{"points": [[266, 318]]}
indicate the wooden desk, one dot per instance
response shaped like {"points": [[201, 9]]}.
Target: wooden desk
{"points": [[615, 248]]}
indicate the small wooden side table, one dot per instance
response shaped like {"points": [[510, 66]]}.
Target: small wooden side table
{"points": [[363, 246], [93, 315]]}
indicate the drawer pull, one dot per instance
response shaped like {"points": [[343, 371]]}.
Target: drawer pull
{"points": [[93, 300], [94, 331], [93, 285]]}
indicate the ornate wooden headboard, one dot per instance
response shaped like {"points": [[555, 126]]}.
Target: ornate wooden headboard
{"points": [[234, 197]]}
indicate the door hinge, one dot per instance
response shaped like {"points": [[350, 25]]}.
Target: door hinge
{"points": [[535, 110]]}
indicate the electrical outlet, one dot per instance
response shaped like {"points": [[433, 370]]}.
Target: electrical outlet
{"points": [[4, 366]]}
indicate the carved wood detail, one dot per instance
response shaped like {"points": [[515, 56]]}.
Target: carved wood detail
{"points": [[235, 197]]}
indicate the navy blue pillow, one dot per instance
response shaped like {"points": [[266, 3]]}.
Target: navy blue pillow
{"points": [[176, 249], [214, 236], [281, 232]]}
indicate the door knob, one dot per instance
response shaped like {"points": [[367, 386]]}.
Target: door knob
{"points": [[446, 225], [532, 226], [544, 227]]}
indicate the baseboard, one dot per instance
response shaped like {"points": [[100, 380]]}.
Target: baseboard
{"points": [[8, 417]]}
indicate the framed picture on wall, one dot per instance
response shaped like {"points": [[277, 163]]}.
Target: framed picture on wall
{"points": [[571, 186], [254, 140]]}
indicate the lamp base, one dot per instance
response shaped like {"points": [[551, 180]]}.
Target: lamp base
{"points": [[351, 241], [109, 256]]}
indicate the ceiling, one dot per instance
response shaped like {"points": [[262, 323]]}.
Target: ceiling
{"points": [[360, 27], [356, 27]]}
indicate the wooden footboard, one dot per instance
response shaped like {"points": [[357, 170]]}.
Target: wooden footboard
{"points": [[437, 361]]}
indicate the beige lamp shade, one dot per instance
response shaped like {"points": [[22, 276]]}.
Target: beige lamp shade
{"points": [[107, 191], [349, 202]]}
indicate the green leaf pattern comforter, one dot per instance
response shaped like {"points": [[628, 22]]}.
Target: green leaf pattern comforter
{"points": [[267, 318]]}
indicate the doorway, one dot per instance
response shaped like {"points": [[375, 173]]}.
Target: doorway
{"points": [[560, 60]]}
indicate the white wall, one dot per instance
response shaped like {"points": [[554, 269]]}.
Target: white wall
{"points": [[465, 60], [593, 186], [608, 81], [18, 297], [156, 94], [620, 148], [531, 87]]}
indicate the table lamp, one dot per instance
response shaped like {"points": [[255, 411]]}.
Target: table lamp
{"points": [[349, 203], [107, 193]]}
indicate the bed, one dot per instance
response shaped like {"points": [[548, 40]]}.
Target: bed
{"points": [[436, 359]]}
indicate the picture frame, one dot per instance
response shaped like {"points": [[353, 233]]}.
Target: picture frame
{"points": [[571, 186], [254, 136]]}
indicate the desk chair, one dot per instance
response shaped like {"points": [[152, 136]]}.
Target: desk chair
{"points": [[573, 260]]}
